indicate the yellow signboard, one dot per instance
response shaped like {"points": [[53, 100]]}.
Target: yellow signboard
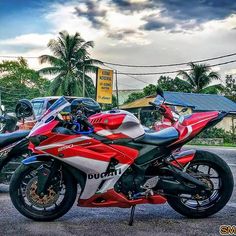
{"points": [[104, 86]]}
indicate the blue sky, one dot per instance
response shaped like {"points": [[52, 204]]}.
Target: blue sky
{"points": [[124, 31], [22, 17]]}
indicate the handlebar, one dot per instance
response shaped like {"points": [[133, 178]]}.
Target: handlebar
{"points": [[86, 121]]}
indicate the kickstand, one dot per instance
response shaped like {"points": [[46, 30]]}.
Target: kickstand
{"points": [[131, 220]]}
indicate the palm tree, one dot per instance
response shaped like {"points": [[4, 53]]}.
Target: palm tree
{"points": [[69, 61], [199, 79]]}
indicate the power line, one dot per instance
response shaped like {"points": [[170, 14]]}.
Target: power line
{"points": [[174, 71], [173, 64], [142, 66], [29, 57], [118, 72]]}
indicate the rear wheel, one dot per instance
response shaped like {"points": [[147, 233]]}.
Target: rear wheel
{"points": [[58, 200], [214, 172]]}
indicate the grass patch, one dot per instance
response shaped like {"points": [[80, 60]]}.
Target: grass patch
{"points": [[211, 145]]}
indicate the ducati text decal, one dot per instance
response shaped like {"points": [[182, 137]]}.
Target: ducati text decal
{"points": [[65, 147], [104, 174]]}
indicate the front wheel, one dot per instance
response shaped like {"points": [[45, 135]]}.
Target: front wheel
{"points": [[214, 172], [58, 200]]}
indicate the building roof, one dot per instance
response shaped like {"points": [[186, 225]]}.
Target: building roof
{"points": [[142, 102], [200, 102]]}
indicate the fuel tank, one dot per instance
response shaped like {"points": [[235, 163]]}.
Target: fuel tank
{"points": [[116, 124]]}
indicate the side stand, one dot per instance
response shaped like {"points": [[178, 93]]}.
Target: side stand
{"points": [[131, 220]]}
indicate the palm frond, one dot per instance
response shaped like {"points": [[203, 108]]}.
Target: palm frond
{"points": [[213, 89], [214, 75], [93, 61], [186, 77], [87, 45], [56, 48], [50, 59], [56, 84], [52, 70]]}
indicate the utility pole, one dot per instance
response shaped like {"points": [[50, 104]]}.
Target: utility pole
{"points": [[83, 82], [117, 96], [83, 77], [1, 102]]}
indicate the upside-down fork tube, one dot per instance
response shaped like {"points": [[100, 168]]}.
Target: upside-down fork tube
{"points": [[45, 174]]}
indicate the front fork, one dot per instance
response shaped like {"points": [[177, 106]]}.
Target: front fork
{"points": [[45, 175]]}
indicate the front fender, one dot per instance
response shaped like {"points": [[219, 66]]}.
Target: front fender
{"points": [[79, 176], [36, 159]]}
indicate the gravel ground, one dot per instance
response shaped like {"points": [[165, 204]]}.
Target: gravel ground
{"points": [[149, 219]]}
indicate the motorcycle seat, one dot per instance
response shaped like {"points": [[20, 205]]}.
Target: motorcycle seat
{"points": [[163, 137], [9, 138]]}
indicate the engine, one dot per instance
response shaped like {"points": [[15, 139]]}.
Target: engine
{"points": [[130, 183]]}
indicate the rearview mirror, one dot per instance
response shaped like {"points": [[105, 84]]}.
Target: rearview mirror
{"points": [[24, 109], [160, 92]]}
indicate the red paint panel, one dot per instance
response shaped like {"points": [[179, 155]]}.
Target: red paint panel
{"points": [[107, 121], [117, 136], [183, 160], [193, 125], [113, 199], [196, 117], [46, 128]]}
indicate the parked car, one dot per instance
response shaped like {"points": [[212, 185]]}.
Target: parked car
{"points": [[41, 104]]}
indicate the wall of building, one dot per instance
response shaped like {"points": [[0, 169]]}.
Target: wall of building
{"points": [[226, 123]]}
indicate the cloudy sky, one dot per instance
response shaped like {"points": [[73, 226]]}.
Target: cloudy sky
{"points": [[143, 32]]}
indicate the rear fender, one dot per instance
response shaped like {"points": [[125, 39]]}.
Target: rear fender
{"points": [[35, 160], [183, 157]]}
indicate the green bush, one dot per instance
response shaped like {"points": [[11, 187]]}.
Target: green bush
{"points": [[217, 133]]}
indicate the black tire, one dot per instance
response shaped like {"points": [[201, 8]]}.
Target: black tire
{"points": [[227, 184], [5, 166], [35, 214]]}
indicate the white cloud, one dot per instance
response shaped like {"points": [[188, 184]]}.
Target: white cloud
{"points": [[62, 17], [130, 44], [231, 71], [35, 40]]}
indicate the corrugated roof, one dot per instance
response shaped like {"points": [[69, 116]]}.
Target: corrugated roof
{"points": [[142, 102], [200, 102]]}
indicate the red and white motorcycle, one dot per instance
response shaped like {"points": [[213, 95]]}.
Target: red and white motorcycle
{"points": [[117, 164]]}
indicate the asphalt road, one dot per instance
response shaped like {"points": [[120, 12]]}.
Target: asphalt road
{"points": [[149, 219]]}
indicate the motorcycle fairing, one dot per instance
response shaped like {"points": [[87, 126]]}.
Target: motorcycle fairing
{"points": [[93, 157]]}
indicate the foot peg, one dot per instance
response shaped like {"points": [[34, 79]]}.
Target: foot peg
{"points": [[151, 183], [131, 220]]}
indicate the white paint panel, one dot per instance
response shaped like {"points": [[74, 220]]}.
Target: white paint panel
{"points": [[88, 166]]}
